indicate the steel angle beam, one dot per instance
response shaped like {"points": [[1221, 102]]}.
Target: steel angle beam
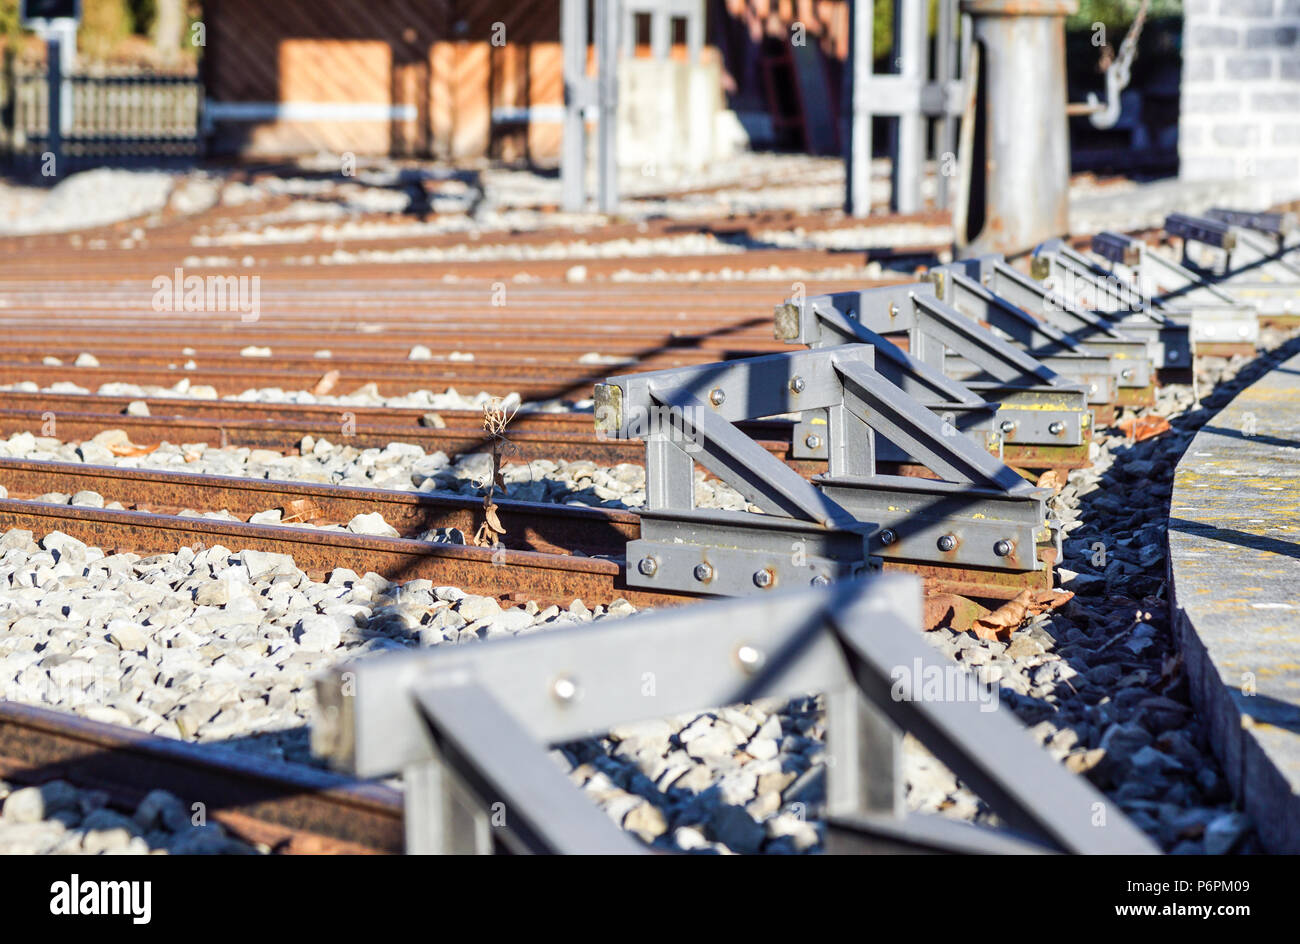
{"points": [[1130, 362], [1281, 226], [1059, 411], [1216, 316], [1092, 286], [955, 403], [1242, 253], [1063, 358], [1250, 264], [693, 552], [732, 553], [1071, 275], [470, 726], [969, 527]]}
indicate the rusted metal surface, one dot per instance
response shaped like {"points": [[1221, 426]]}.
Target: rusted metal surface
{"points": [[291, 808], [546, 578], [548, 528]]}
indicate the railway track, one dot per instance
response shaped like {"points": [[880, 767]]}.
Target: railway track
{"points": [[356, 324]]}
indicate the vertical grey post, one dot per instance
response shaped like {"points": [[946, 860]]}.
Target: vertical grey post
{"points": [[573, 164], [607, 23], [909, 156], [945, 48], [54, 140], [660, 33], [695, 32], [857, 122], [66, 30], [863, 772], [1022, 188]]}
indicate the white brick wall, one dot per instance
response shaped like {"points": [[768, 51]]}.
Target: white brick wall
{"points": [[1240, 111]]}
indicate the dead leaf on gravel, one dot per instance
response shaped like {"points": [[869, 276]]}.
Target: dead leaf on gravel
{"points": [[1002, 622], [300, 509], [1053, 479], [130, 449], [999, 624], [951, 610], [326, 383], [1138, 428]]}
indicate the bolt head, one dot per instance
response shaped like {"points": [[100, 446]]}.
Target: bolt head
{"points": [[1008, 426], [947, 543], [887, 536], [750, 658], [717, 397], [797, 384], [1056, 428], [852, 314], [819, 581], [1002, 548], [564, 688], [648, 566], [764, 578], [703, 572], [1127, 373], [813, 441]]}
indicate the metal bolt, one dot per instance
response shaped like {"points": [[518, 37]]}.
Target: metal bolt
{"points": [[703, 572], [819, 581], [764, 578], [1243, 332], [1056, 428], [947, 543], [887, 536], [648, 566], [1172, 356], [1002, 548], [852, 314], [1008, 426], [564, 688], [893, 310], [797, 384], [750, 658], [1127, 373], [1092, 388], [716, 396], [813, 441]]}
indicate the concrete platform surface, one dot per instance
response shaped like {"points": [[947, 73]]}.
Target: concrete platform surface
{"points": [[1234, 558]]}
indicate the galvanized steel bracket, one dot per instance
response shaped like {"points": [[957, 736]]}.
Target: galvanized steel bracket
{"points": [[982, 515], [470, 726]]}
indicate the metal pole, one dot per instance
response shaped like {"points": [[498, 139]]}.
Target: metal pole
{"points": [[695, 32], [945, 48], [857, 132], [660, 34], [573, 163], [54, 138], [1019, 193], [909, 152], [68, 63], [607, 23]]}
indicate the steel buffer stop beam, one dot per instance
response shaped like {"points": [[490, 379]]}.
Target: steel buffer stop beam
{"points": [[470, 726]]}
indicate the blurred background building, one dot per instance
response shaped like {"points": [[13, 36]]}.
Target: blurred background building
{"points": [[1214, 90]]}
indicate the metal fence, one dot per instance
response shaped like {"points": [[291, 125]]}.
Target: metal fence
{"points": [[112, 115]]}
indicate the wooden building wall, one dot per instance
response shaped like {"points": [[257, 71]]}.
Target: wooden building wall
{"points": [[423, 77], [403, 77]]}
